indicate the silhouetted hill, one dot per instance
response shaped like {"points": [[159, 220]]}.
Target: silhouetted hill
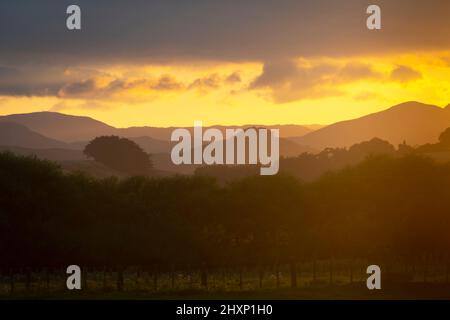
{"points": [[13, 134], [413, 122], [164, 133], [307, 166], [61, 126], [77, 131], [69, 128], [290, 148], [53, 154]]}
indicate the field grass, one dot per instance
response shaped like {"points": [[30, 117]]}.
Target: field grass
{"points": [[356, 291], [340, 283]]}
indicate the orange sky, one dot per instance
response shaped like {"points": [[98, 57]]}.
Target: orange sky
{"points": [[316, 90], [169, 62]]}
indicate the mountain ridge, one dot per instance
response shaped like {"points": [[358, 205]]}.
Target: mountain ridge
{"points": [[14, 134], [73, 129], [414, 122]]}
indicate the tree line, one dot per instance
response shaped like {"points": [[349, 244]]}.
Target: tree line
{"points": [[385, 207], [310, 166]]}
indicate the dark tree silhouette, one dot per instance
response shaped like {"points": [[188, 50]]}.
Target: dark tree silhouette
{"points": [[120, 154], [385, 207]]}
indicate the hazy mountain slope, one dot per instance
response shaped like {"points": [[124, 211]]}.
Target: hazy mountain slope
{"points": [[60, 126], [165, 133], [70, 128], [289, 148], [414, 122], [54, 154], [13, 134], [151, 145]]}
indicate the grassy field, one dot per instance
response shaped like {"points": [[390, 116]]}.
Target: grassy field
{"points": [[323, 284], [356, 291]]}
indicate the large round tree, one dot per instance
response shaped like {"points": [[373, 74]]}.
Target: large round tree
{"points": [[120, 154]]}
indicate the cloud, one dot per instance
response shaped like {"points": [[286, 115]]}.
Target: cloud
{"points": [[36, 48], [357, 71], [80, 88], [100, 88], [29, 89], [275, 74], [40, 80], [212, 81], [92, 83], [87, 105], [447, 60], [164, 31], [14, 82], [105, 88], [289, 81], [8, 72], [167, 82], [366, 95], [233, 78], [91, 105], [404, 74]]}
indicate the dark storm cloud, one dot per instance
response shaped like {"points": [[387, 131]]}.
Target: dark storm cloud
{"points": [[26, 82], [28, 90], [6, 72], [36, 48], [232, 30]]}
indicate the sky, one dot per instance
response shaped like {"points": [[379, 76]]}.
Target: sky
{"points": [[169, 63]]}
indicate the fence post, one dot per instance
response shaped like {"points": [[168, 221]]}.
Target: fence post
{"points": [[240, 278], [314, 270], [293, 269], [172, 276], [260, 276], [331, 271], [277, 271], [120, 279], [155, 279], [204, 277], [11, 281]]}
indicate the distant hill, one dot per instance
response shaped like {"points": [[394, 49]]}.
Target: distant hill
{"points": [[60, 132], [21, 140], [162, 161], [314, 127], [165, 133], [13, 134], [53, 154], [60, 126], [290, 148], [73, 129], [413, 122]]}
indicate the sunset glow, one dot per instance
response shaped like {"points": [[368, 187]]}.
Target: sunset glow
{"points": [[323, 91]]}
